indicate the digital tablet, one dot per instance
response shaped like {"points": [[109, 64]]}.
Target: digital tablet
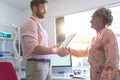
{"points": [[67, 41]]}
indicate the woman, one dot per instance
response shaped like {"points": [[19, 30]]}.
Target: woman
{"points": [[103, 53]]}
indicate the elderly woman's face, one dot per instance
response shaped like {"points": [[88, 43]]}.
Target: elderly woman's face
{"points": [[97, 22]]}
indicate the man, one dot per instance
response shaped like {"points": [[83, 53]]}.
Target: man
{"points": [[35, 44]]}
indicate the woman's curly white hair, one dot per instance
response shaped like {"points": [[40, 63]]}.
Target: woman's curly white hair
{"points": [[105, 13]]}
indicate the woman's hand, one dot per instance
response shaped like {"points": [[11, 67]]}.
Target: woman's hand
{"points": [[78, 53]]}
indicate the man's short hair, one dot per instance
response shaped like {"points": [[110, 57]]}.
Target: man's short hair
{"points": [[37, 2]]}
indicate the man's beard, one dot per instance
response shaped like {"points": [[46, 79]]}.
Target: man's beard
{"points": [[39, 15]]}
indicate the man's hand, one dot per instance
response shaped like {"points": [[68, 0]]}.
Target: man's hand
{"points": [[62, 52]]}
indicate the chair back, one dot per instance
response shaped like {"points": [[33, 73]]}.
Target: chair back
{"points": [[7, 71]]}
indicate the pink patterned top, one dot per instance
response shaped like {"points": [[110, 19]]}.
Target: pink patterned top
{"points": [[103, 56]]}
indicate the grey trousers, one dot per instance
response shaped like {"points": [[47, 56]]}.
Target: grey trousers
{"points": [[38, 70]]}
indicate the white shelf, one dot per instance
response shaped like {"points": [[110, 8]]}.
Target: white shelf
{"points": [[6, 57]]}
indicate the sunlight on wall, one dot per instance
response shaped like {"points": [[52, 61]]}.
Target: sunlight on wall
{"points": [[79, 23]]}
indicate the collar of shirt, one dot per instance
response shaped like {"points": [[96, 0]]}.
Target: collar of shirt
{"points": [[38, 20]]}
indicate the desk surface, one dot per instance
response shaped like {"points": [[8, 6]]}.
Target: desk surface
{"points": [[67, 79], [70, 79]]}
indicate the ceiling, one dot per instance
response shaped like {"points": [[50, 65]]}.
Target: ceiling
{"points": [[20, 4]]}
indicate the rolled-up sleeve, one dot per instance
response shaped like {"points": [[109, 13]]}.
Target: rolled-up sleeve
{"points": [[29, 37]]}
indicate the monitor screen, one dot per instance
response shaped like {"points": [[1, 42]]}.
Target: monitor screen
{"points": [[60, 66], [56, 60]]}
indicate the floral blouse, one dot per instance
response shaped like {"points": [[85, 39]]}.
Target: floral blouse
{"points": [[103, 56]]}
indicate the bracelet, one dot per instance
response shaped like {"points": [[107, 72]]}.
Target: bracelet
{"points": [[53, 51]]}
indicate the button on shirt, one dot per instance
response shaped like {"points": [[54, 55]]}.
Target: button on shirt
{"points": [[32, 34]]}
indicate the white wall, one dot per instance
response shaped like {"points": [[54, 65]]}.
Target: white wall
{"points": [[9, 15], [65, 7]]}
